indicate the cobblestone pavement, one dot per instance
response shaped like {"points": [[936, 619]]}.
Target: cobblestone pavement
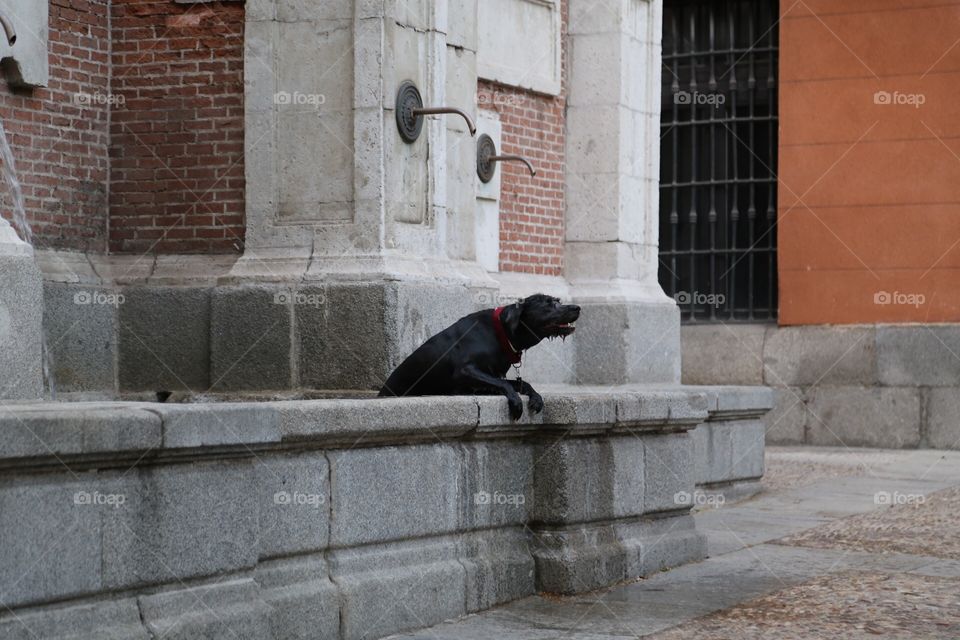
{"points": [[843, 605], [841, 544]]}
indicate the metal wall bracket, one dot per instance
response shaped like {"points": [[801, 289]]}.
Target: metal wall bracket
{"points": [[487, 159], [409, 111]]}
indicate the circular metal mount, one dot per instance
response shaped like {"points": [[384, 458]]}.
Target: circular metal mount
{"points": [[486, 149], [408, 99]]}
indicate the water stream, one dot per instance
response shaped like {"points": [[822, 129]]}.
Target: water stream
{"points": [[8, 168]]}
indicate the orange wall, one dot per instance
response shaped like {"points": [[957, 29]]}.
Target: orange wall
{"points": [[869, 194]]}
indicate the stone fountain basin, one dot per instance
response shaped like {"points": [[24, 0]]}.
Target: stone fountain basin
{"points": [[350, 517]]}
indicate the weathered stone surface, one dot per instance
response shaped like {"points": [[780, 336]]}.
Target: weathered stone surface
{"points": [[343, 343], [786, 422], [294, 513], [76, 428], [663, 406], [578, 559], [199, 424], [81, 327], [580, 480], [727, 402], [250, 337], [583, 558], [358, 421], [65, 561], [619, 344], [21, 310], [165, 339], [722, 354], [497, 487], [391, 493], [499, 567], [388, 588], [668, 471], [728, 450], [662, 543], [303, 601], [811, 355], [943, 418], [180, 521], [225, 610], [919, 355], [117, 619], [855, 416]]}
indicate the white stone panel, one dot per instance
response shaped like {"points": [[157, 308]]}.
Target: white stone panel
{"points": [[519, 43]]}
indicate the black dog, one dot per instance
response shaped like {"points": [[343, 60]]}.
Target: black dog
{"points": [[474, 354]]}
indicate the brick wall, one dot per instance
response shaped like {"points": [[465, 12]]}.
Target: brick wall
{"points": [[59, 134], [176, 147], [531, 208]]}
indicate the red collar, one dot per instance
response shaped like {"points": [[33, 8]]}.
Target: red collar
{"points": [[512, 354]]}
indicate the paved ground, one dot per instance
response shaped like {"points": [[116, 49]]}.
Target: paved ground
{"points": [[841, 544]]}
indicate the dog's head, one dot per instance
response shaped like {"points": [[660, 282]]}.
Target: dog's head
{"points": [[539, 316]]}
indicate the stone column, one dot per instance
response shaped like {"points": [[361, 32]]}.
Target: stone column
{"points": [[630, 330], [339, 207], [21, 314]]}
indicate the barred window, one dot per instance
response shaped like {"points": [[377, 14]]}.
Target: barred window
{"points": [[718, 139]]}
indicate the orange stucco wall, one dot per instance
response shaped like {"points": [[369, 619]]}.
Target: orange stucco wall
{"points": [[869, 193]]}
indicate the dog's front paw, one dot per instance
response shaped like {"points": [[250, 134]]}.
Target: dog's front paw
{"points": [[515, 404], [536, 402]]}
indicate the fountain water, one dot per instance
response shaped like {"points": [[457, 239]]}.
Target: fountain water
{"points": [[8, 170]]}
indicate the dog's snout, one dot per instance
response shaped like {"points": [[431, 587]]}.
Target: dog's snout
{"points": [[574, 310]]}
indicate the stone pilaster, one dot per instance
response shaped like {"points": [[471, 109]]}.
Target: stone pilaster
{"points": [[630, 330], [377, 231]]}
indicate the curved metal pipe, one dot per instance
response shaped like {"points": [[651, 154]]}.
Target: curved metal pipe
{"points": [[432, 111], [510, 158], [8, 28]]}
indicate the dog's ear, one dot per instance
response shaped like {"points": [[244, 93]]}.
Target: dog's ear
{"points": [[511, 316]]}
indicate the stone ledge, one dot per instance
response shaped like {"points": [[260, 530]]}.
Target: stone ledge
{"points": [[75, 431]]}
